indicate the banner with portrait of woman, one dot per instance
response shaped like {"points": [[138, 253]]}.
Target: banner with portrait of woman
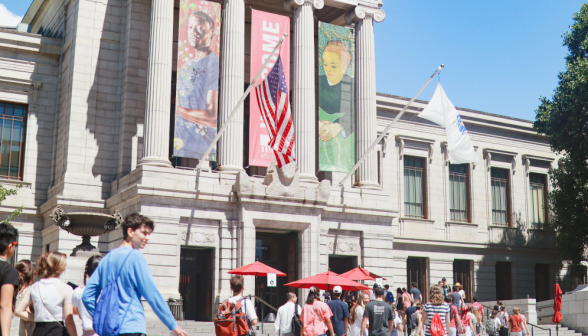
{"points": [[197, 78], [336, 145]]}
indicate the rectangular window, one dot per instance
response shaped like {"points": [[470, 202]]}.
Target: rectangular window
{"points": [[12, 126], [537, 198], [458, 192], [414, 187], [500, 196], [542, 287], [503, 280]]}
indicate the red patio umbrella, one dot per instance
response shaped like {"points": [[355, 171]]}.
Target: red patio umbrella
{"points": [[327, 281], [257, 268], [557, 305], [359, 273]]}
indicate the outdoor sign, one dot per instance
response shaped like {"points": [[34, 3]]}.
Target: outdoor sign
{"points": [[336, 145], [197, 78], [266, 31], [271, 280], [380, 282]]}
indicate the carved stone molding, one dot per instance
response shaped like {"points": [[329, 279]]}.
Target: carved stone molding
{"points": [[291, 5], [402, 143], [343, 247], [198, 237], [364, 13], [488, 152], [527, 161]]}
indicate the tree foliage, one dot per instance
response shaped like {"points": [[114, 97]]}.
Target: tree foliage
{"points": [[564, 119], [4, 193]]}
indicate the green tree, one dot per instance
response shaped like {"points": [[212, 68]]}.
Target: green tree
{"points": [[4, 193], [564, 119]]}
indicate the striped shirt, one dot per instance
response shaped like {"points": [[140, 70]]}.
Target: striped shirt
{"points": [[431, 310]]}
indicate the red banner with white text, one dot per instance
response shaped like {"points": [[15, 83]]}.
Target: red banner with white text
{"points": [[266, 31]]}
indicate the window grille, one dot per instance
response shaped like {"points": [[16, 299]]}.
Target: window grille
{"points": [[458, 192], [414, 187], [500, 197], [538, 200], [12, 127]]}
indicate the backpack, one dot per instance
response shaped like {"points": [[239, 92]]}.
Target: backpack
{"points": [[104, 322], [414, 321], [231, 319], [390, 296], [490, 327], [296, 323]]}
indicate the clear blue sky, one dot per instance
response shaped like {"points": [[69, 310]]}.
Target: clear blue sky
{"points": [[499, 56]]}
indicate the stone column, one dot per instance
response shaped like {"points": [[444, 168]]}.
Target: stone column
{"points": [[159, 70], [366, 130], [230, 144], [303, 88]]}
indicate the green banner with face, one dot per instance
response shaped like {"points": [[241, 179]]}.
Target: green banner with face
{"points": [[336, 126]]}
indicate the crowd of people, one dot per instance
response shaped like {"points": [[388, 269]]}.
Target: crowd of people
{"points": [[378, 312], [46, 307]]}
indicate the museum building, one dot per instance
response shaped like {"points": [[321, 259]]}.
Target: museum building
{"points": [[87, 93]]}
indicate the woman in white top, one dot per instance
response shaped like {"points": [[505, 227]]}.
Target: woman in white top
{"points": [[26, 274], [356, 314], [76, 299], [51, 299]]}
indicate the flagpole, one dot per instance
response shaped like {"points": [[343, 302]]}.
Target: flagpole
{"points": [[385, 132], [239, 103]]}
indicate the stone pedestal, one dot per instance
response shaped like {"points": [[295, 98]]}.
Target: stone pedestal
{"points": [[230, 144], [303, 88], [365, 92], [159, 71]]}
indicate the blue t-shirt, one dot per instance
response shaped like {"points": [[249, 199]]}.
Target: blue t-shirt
{"points": [[195, 79], [340, 311], [409, 311]]}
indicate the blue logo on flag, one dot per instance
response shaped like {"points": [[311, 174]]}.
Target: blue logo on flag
{"points": [[460, 125]]}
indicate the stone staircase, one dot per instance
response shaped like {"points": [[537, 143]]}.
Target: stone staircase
{"points": [[156, 328]]}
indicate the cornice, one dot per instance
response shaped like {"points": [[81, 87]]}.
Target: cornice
{"points": [[364, 13]]}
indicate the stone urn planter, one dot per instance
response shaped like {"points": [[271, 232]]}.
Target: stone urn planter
{"points": [[86, 225]]}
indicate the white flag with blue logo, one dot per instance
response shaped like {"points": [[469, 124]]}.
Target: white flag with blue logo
{"points": [[441, 111]]}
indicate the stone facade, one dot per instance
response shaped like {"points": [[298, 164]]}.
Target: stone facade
{"points": [[97, 139]]}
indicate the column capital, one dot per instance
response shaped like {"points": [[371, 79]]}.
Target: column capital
{"points": [[291, 5], [363, 12]]}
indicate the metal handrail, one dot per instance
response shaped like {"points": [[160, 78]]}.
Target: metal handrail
{"points": [[262, 319], [536, 326]]}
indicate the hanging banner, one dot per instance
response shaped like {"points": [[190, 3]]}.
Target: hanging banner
{"points": [[336, 145], [197, 78], [266, 31]]}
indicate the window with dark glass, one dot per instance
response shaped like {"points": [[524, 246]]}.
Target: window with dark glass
{"points": [[12, 125], [414, 187], [458, 192], [500, 196], [537, 200]]}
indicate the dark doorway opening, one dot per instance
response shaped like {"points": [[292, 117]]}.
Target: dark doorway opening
{"points": [[461, 274], [578, 276], [416, 271], [280, 251], [341, 264], [196, 265], [542, 288], [503, 280]]}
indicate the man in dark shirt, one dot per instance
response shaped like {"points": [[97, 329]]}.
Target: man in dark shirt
{"points": [[8, 275], [445, 287], [340, 310], [379, 314], [416, 293], [408, 317], [456, 298]]}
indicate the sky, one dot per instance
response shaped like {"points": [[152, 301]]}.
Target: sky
{"points": [[500, 56]]}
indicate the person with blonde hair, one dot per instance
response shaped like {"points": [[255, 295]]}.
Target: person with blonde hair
{"points": [[26, 275], [435, 306], [356, 314], [516, 322], [51, 299]]}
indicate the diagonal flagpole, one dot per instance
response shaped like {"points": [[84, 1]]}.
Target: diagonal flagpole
{"points": [[239, 103], [385, 132]]}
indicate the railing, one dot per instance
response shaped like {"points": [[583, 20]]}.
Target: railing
{"points": [[263, 318], [533, 326]]}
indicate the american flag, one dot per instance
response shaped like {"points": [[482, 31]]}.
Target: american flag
{"points": [[272, 96]]}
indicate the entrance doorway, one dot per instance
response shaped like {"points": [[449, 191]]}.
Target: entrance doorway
{"points": [[416, 271], [503, 280], [280, 251], [341, 264], [461, 274], [196, 266]]}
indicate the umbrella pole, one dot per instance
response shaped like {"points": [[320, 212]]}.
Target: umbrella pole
{"points": [[557, 329]]}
